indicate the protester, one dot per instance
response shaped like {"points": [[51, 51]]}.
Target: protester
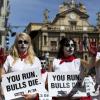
{"points": [[22, 57], [66, 61], [97, 68], [95, 51]]}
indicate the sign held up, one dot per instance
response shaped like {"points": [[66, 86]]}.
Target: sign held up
{"points": [[16, 84], [66, 83]]}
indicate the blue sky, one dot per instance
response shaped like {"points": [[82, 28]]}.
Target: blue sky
{"points": [[22, 12]]}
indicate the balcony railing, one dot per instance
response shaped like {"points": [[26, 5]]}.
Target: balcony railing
{"points": [[70, 28]]}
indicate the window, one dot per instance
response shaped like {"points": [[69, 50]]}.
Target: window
{"points": [[86, 58], [73, 25], [53, 45], [45, 40]]}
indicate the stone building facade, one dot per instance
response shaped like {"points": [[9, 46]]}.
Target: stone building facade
{"points": [[72, 20]]}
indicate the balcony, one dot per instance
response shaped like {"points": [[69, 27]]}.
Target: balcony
{"points": [[70, 28]]}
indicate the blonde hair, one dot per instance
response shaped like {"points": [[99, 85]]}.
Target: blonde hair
{"points": [[14, 49]]}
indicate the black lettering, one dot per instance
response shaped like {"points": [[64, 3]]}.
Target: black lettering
{"points": [[33, 82], [46, 95], [8, 88], [54, 77], [28, 75], [19, 93], [52, 85], [13, 78], [8, 79], [68, 77], [60, 85], [68, 85], [15, 86], [62, 92], [33, 90], [59, 77], [73, 77]]}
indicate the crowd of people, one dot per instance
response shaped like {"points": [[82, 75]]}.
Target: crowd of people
{"points": [[22, 56]]}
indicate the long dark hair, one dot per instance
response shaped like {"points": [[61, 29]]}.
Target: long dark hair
{"points": [[62, 43]]}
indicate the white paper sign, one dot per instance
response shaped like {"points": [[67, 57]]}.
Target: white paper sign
{"points": [[44, 95], [62, 84], [16, 84], [89, 83], [90, 86]]}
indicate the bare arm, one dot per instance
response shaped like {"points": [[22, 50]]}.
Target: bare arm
{"points": [[97, 63], [89, 64], [50, 68], [2, 71]]}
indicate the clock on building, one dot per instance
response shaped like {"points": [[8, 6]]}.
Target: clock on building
{"points": [[72, 16]]}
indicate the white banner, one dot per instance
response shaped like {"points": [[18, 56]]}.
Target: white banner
{"points": [[69, 83], [16, 84]]}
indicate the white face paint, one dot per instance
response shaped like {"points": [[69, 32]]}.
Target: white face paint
{"points": [[23, 45], [69, 48], [43, 63]]}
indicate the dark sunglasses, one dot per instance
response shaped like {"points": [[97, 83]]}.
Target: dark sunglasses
{"points": [[69, 45], [23, 42]]}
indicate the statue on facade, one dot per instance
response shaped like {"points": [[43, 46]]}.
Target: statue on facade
{"points": [[46, 11]]}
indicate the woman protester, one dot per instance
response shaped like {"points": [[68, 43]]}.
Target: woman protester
{"points": [[66, 61], [22, 57], [97, 69]]}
